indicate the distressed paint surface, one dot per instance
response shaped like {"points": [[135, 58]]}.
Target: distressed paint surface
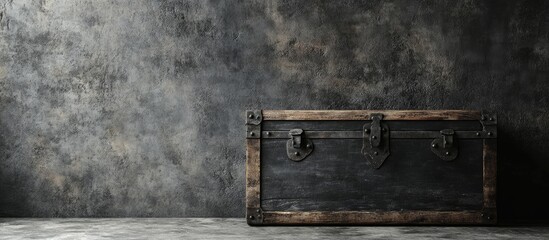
{"points": [[337, 177], [135, 108]]}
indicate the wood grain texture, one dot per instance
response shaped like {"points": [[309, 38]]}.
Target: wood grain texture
{"points": [[357, 125], [490, 178], [337, 177], [384, 218], [365, 114], [253, 154]]}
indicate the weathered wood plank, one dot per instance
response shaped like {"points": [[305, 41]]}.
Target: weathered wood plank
{"points": [[355, 217], [365, 114], [490, 178], [253, 147], [337, 177], [356, 125]]}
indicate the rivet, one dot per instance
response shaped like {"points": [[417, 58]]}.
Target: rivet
{"points": [[478, 134], [491, 119], [252, 133], [268, 133], [375, 153], [374, 137], [251, 116], [257, 211], [296, 153], [308, 146], [434, 145], [483, 118], [489, 217], [482, 214], [489, 133], [447, 153], [367, 130], [251, 217]]}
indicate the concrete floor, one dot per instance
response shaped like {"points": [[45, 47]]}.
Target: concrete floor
{"points": [[231, 228]]}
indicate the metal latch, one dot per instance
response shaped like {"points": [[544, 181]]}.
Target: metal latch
{"points": [[445, 147], [376, 141], [298, 147]]}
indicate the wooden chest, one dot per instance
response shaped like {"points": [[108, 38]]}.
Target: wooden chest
{"points": [[370, 167]]}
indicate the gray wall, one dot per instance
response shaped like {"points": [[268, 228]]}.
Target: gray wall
{"points": [[135, 108]]}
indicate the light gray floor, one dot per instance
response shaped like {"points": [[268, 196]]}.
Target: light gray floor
{"points": [[230, 228]]}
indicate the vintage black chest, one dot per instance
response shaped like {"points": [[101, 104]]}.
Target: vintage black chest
{"points": [[370, 167]]}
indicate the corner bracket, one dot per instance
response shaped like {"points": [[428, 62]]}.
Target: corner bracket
{"points": [[254, 216], [253, 123], [489, 123]]}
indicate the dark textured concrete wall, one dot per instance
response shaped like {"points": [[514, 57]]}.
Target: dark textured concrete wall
{"points": [[135, 108]]}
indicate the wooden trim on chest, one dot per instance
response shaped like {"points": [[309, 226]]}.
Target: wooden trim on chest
{"points": [[489, 180], [377, 218], [365, 114]]}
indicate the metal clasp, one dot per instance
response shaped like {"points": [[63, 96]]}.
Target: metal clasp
{"points": [[298, 147], [445, 147], [376, 141], [295, 134], [447, 138]]}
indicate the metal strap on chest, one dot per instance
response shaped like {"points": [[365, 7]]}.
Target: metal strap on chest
{"points": [[376, 137]]}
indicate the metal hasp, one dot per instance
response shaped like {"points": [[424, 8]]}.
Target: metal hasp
{"points": [[445, 147], [376, 141], [298, 147]]}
